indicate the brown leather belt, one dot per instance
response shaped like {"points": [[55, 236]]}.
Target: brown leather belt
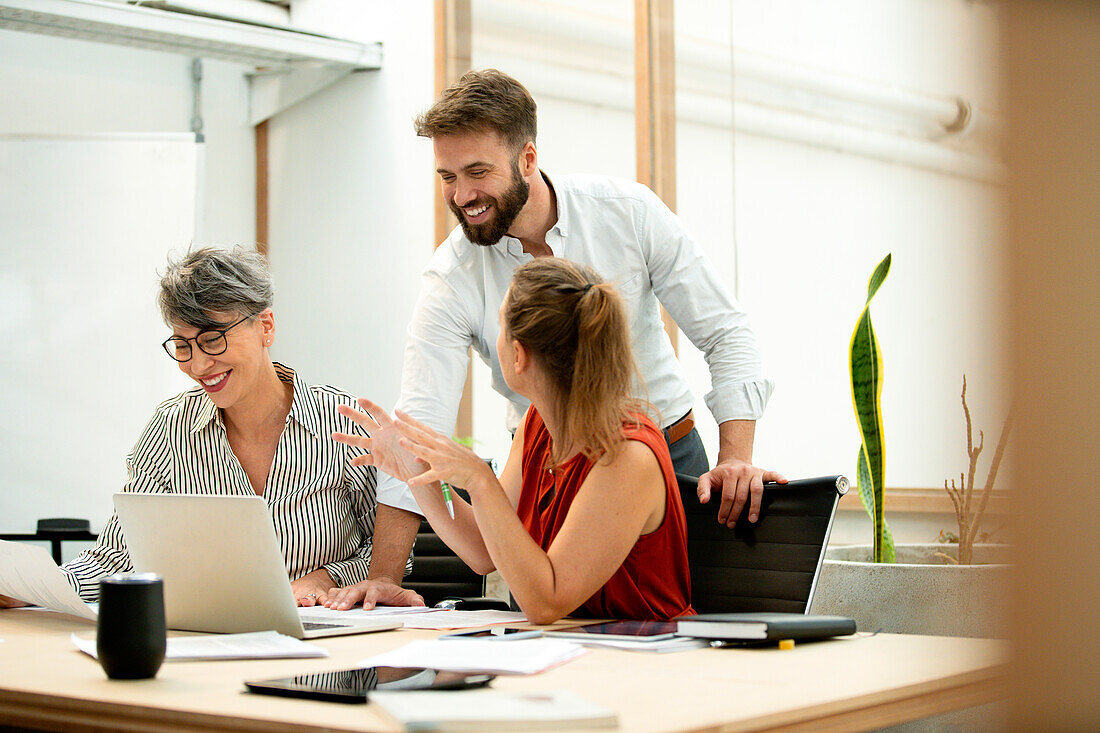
{"points": [[680, 428]]}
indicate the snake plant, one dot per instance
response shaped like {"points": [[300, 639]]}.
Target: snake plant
{"points": [[865, 364]]}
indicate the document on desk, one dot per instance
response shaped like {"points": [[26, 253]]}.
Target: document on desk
{"points": [[478, 710], [30, 574], [444, 619], [526, 656], [257, 645]]}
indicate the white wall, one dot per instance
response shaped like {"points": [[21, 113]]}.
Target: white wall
{"points": [[810, 225], [65, 87], [351, 203], [62, 86], [824, 219], [351, 195], [82, 216]]}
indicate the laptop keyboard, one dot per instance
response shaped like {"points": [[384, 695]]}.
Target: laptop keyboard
{"points": [[315, 626]]}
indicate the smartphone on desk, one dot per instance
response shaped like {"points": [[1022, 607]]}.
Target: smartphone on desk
{"points": [[497, 632], [354, 685]]}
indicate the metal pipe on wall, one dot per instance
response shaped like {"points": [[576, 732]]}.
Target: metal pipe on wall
{"points": [[755, 119], [588, 58]]}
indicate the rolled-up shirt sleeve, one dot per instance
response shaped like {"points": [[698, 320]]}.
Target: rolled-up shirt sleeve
{"points": [[688, 286], [146, 472], [434, 371]]}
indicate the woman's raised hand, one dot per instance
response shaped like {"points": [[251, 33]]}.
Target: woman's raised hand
{"points": [[448, 461], [386, 453]]}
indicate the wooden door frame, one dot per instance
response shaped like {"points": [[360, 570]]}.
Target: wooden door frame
{"points": [[453, 51]]}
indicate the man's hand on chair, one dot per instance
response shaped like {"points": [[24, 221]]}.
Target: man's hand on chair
{"points": [[739, 483]]}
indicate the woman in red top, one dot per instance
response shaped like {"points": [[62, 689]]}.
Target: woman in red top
{"points": [[586, 517]]}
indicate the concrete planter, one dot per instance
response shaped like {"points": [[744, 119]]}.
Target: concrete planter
{"points": [[920, 593]]}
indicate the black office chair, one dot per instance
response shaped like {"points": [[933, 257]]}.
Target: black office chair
{"points": [[769, 565], [439, 574], [56, 531]]}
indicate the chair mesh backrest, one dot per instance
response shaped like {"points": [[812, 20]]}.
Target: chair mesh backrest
{"points": [[770, 565], [437, 572]]}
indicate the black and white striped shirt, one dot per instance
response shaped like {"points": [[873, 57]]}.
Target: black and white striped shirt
{"points": [[322, 506]]}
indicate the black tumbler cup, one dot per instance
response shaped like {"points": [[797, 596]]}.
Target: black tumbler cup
{"points": [[131, 638]]}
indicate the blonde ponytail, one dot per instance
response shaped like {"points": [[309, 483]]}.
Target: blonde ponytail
{"points": [[575, 325]]}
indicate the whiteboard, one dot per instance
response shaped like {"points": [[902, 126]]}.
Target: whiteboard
{"points": [[85, 226]]}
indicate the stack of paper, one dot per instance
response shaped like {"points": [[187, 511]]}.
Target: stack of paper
{"points": [[258, 645], [415, 617], [477, 710], [526, 656]]}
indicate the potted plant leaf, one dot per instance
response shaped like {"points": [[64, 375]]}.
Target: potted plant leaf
{"points": [[865, 367]]}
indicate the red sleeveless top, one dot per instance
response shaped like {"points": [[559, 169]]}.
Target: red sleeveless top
{"points": [[653, 582]]}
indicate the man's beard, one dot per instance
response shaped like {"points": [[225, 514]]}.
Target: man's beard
{"points": [[504, 212]]}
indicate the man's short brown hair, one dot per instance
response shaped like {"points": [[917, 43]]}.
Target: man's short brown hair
{"points": [[479, 101]]}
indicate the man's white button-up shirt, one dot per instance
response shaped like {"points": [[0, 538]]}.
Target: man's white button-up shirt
{"points": [[626, 234]]}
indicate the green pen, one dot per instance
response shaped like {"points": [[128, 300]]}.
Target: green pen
{"points": [[447, 498]]}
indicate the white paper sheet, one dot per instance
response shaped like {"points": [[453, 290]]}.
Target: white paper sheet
{"points": [[493, 709], [30, 574], [526, 656], [442, 619], [93, 607], [257, 645]]}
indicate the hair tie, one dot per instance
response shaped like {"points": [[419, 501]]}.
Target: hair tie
{"points": [[586, 288]]}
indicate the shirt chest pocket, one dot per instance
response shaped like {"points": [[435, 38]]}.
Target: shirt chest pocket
{"points": [[633, 289]]}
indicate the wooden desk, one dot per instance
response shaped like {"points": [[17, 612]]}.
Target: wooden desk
{"points": [[844, 684]]}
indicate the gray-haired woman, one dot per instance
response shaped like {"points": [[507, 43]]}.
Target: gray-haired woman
{"points": [[252, 426]]}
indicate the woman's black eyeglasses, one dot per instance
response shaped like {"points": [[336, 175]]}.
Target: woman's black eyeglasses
{"points": [[211, 342]]}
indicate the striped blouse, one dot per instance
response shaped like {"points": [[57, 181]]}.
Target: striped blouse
{"points": [[322, 506]]}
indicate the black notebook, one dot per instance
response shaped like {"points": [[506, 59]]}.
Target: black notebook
{"points": [[763, 626]]}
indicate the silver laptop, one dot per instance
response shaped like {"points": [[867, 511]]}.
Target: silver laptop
{"points": [[222, 568]]}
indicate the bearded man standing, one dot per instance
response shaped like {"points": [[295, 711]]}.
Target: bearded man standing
{"points": [[483, 132]]}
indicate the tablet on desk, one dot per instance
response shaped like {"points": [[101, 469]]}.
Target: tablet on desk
{"points": [[626, 630], [354, 685]]}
